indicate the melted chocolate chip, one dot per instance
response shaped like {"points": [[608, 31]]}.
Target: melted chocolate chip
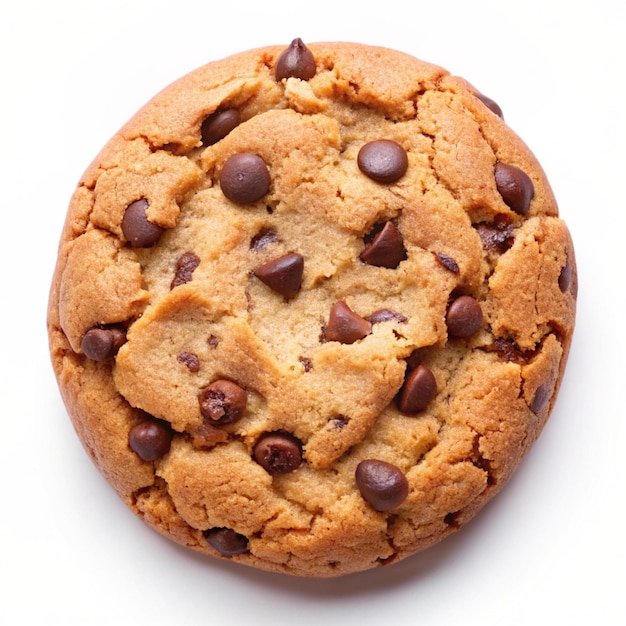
{"points": [[386, 315], [100, 344], [420, 387], [217, 125], [283, 275], [492, 105], [448, 262], [244, 178], [381, 484], [508, 350], [190, 361], [540, 399], [262, 239], [296, 61], [278, 453], [222, 402], [383, 160], [306, 363], [515, 187], [497, 236], [185, 267], [226, 541], [464, 317], [150, 439], [565, 277], [386, 249], [138, 230], [344, 325]]}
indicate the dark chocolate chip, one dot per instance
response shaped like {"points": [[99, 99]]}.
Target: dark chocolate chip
{"points": [[217, 125], [138, 230], [540, 399], [448, 262], [185, 267], [493, 106], [386, 248], [515, 187], [278, 452], [190, 361], [296, 61], [508, 350], [565, 277], [497, 236], [100, 344], [386, 315], [222, 402], [213, 341], [150, 439], [263, 239], [464, 317], [344, 325], [226, 541], [381, 484], [307, 365], [244, 178], [283, 275], [383, 160], [420, 387]]}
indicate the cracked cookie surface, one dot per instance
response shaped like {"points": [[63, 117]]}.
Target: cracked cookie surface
{"points": [[312, 306]]}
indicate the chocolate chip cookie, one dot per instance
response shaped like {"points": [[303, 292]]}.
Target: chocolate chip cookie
{"points": [[312, 306]]}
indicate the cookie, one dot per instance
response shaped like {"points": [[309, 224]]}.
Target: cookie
{"points": [[312, 306]]}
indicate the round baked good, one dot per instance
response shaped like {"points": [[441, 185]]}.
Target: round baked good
{"points": [[312, 306]]}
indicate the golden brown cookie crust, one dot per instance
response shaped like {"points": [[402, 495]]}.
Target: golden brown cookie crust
{"points": [[338, 398]]}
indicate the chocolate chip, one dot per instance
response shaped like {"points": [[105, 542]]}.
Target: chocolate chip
{"points": [[448, 262], [508, 350], [150, 439], [283, 275], [386, 248], [381, 484], [344, 325], [217, 125], [244, 178], [386, 315], [263, 238], [493, 106], [515, 187], [185, 266], [497, 236], [100, 344], [420, 387], [464, 317], [540, 399], [190, 361], [565, 277], [226, 541], [307, 365], [278, 452], [222, 402], [138, 230], [383, 160], [296, 61]]}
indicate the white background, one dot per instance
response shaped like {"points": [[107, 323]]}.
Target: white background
{"points": [[550, 549]]}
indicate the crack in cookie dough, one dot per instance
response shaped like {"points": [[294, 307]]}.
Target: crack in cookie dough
{"points": [[312, 307]]}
